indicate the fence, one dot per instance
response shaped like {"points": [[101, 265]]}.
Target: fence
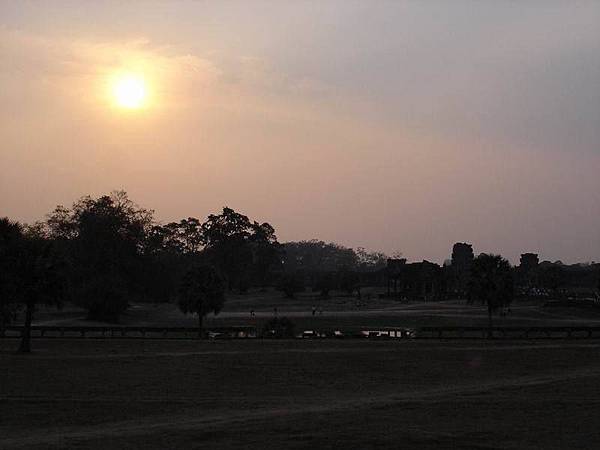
{"points": [[245, 332], [127, 332]]}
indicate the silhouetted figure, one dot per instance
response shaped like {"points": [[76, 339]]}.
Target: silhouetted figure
{"points": [[252, 313], [314, 310]]}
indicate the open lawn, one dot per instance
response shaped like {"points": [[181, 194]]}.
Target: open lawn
{"points": [[300, 394], [337, 312]]}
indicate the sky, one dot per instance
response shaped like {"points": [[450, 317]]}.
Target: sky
{"points": [[390, 125]]}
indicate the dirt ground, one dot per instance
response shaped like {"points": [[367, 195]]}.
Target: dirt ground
{"points": [[300, 394]]}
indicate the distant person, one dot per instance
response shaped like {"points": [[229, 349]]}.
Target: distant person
{"points": [[275, 311], [314, 310], [252, 313]]}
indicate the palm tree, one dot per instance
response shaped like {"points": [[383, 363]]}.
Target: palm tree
{"points": [[491, 284]]}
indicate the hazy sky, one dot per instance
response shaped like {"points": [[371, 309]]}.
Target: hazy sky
{"points": [[397, 126]]}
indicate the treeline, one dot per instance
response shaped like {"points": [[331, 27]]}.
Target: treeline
{"points": [[103, 253]]}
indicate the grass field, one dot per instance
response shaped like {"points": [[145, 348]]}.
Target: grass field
{"points": [[305, 394], [294, 394], [337, 312]]}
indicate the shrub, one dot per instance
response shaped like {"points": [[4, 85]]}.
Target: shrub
{"points": [[279, 328]]}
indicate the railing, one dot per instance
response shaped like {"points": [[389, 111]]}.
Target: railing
{"points": [[534, 332], [127, 332], [245, 332]]}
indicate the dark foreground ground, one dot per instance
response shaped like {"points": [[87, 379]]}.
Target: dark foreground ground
{"points": [[100, 394]]}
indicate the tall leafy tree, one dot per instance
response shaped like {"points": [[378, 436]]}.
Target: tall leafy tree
{"points": [[31, 273], [266, 252], [10, 239], [349, 281], [491, 283], [202, 291], [103, 239], [370, 261], [226, 237], [170, 251], [291, 283], [324, 283], [318, 256], [237, 247]]}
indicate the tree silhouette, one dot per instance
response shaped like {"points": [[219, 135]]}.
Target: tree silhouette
{"points": [[236, 246], [103, 241], [349, 281], [10, 237], [491, 283], [202, 291], [291, 283], [31, 274], [266, 252], [318, 256], [553, 277], [324, 283], [370, 261]]}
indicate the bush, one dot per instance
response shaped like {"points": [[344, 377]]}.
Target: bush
{"points": [[105, 298], [324, 284], [279, 328], [290, 284]]}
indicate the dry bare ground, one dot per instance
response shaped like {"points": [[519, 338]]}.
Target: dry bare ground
{"points": [[300, 394]]}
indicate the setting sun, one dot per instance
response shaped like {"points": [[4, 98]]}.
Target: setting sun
{"points": [[129, 91]]}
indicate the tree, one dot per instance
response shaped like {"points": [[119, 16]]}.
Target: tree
{"points": [[371, 261], [103, 240], [266, 252], [170, 250], [290, 283], [349, 281], [237, 247], [10, 238], [318, 256], [33, 276], [225, 238], [491, 283], [202, 291], [553, 277], [185, 237], [324, 283]]}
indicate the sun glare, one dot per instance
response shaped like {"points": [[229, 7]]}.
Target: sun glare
{"points": [[129, 91]]}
